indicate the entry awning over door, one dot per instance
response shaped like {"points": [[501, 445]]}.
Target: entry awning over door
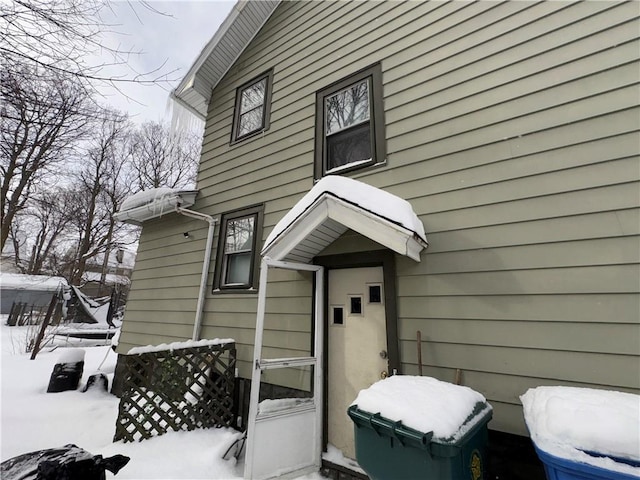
{"points": [[336, 204]]}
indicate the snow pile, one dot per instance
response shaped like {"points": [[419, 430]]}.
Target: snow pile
{"points": [[178, 345], [72, 355], [372, 199], [32, 419], [568, 421], [335, 455], [425, 404], [18, 281]]}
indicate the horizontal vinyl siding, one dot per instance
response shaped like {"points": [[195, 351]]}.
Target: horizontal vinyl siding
{"points": [[165, 282], [530, 209], [513, 130]]}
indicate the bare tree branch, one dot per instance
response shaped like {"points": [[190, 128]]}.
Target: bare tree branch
{"points": [[162, 158], [101, 189], [40, 123], [60, 37]]}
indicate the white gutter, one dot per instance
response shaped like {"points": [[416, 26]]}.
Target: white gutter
{"points": [[205, 266], [173, 96]]}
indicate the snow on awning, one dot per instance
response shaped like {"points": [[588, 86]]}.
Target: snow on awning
{"points": [[153, 203], [336, 204]]}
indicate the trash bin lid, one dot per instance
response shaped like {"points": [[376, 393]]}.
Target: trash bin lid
{"points": [[426, 405]]}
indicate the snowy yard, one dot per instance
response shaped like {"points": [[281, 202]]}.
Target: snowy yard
{"points": [[33, 419]]}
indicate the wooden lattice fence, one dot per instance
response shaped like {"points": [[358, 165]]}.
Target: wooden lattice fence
{"points": [[179, 389]]}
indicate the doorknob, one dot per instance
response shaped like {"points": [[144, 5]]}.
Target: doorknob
{"points": [[383, 374], [383, 354]]}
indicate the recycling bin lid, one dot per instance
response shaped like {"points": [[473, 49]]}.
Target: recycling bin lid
{"points": [[585, 426], [420, 406]]}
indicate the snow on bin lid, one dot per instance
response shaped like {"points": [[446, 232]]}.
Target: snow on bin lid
{"points": [[424, 404], [568, 421]]}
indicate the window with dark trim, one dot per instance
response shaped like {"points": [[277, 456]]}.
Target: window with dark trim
{"points": [[251, 112], [350, 124], [238, 250]]}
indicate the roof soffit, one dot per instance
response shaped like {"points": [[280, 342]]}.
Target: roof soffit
{"points": [[234, 35]]}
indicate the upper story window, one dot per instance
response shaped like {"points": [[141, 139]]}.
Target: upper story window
{"points": [[237, 259], [350, 123], [251, 113]]}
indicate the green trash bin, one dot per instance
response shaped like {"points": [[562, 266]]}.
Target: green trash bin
{"points": [[388, 450]]}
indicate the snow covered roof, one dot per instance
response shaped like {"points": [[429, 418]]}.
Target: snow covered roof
{"points": [[18, 281], [110, 278], [336, 204], [153, 203], [238, 29]]}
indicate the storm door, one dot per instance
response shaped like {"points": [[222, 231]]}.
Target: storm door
{"points": [[285, 429]]}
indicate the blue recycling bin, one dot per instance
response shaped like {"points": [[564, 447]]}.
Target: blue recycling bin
{"points": [[558, 468]]}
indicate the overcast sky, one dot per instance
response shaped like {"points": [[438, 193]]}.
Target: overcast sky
{"points": [[175, 36]]}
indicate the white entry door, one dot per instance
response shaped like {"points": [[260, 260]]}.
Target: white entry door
{"points": [[357, 344]]}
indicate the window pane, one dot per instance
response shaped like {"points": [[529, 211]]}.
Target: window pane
{"points": [[238, 268], [284, 388], [349, 146], [356, 305], [239, 234], [375, 294], [253, 96], [338, 315], [348, 107], [250, 122]]}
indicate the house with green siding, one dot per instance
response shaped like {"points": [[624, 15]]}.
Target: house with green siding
{"points": [[510, 130]]}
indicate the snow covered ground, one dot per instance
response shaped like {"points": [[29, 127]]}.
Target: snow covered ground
{"points": [[32, 419]]}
